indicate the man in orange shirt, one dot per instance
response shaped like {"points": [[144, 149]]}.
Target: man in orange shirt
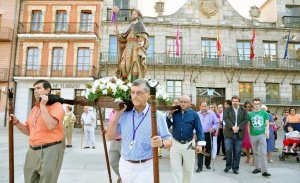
{"points": [[44, 127]]}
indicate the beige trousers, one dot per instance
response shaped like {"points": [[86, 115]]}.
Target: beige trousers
{"points": [[182, 173], [43, 166]]}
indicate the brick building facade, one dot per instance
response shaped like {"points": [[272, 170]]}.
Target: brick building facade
{"points": [[57, 41], [8, 23]]}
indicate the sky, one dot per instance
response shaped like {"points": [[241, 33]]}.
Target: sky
{"points": [[171, 6]]}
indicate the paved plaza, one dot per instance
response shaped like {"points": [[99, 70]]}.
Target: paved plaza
{"points": [[88, 165]]}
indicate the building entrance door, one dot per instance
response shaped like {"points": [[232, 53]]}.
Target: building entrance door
{"points": [[210, 95]]}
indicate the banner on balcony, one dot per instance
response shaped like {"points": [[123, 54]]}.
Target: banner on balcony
{"points": [[287, 46], [177, 43], [219, 44], [252, 54]]}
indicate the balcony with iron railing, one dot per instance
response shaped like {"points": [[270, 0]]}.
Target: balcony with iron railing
{"points": [[275, 101], [6, 34], [198, 60], [3, 75], [291, 21], [81, 28], [122, 16], [65, 71]]}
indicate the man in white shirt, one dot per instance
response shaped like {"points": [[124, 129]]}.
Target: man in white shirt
{"points": [[87, 121]]}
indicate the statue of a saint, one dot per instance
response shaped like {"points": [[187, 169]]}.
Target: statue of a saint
{"points": [[133, 45]]}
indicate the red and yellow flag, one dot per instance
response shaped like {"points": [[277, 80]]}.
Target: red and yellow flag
{"points": [[219, 44]]}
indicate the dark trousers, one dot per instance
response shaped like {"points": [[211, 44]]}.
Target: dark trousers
{"points": [[208, 140], [233, 152], [220, 142]]}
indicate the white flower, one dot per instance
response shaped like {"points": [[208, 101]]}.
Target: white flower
{"points": [[93, 90], [124, 88], [83, 93], [119, 82], [129, 85], [104, 92], [113, 86]]}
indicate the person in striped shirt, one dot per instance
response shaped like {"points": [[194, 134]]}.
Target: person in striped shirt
{"points": [[135, 127]]}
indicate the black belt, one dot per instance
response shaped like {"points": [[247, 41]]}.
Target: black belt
{"points": [[184, 141], [44, 145], [138, 161], [118, 139]]}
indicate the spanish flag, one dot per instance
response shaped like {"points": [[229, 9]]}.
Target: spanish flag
{"points": [[219, 44]]}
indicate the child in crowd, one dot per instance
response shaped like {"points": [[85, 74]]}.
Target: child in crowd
{"points": [[292, 137]]}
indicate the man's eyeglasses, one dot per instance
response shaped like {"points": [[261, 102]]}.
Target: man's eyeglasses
{"points": [[184, 101], [138, 93]]}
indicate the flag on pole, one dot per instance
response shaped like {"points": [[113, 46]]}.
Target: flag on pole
{"points": [[177, 42], [219, 44], [252, 54], [287, 46], [114, 17]]}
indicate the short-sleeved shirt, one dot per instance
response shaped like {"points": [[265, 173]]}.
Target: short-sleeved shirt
{"points": [[87, 117], [39, 134], [292, 135], [141, 148], [258, 122]]}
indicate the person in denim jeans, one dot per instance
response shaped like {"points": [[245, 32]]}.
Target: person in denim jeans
{"points": [[235, 118]]}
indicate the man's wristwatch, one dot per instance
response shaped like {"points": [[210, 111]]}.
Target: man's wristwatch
{"points": [[163, 145]]}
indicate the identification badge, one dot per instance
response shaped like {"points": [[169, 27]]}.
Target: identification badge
{"points": [[131, 145]]}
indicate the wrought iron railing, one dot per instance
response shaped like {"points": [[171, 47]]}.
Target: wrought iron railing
{"points": [[210, 61], [80, 71], [122, 16], [3, 74], [58, 28], [6, 34], [291, 21]]}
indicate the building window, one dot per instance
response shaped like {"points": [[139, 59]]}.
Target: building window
{"points": [[150, 50], [124, 13], [293, 47], [292, 10], [113, 50], [243, 48], [174, 88], [86, 21], [36, 22], [272, 91], [61, 21], [57, 62], [83, 59], [270, 51], [246, 91], [296, 93], [209, 48], [32, 58], [171, 47]]}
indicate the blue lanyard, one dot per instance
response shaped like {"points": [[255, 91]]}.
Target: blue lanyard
{"points": [[135, 129]]}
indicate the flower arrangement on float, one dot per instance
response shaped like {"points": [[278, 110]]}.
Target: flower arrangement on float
{"points": [[119, 89]]}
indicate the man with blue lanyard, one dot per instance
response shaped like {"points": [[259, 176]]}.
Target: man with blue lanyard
{"points": [[184, 122], [135, 127]]}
